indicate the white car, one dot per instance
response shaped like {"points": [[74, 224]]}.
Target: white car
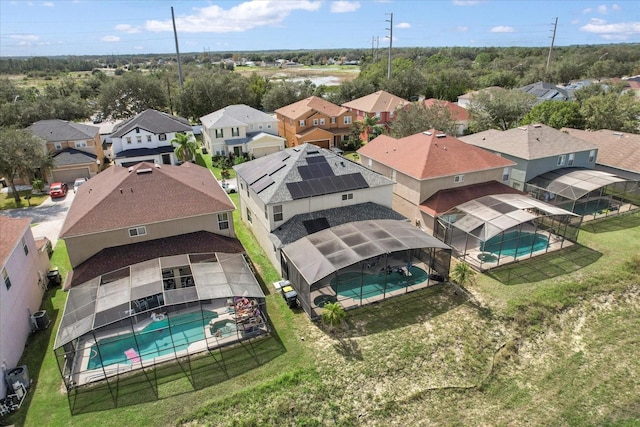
{"points": [[77, 183], [228, 186]]}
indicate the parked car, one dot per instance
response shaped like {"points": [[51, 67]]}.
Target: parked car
{"points": [[228, 186], [58, 189], [77, 183]]}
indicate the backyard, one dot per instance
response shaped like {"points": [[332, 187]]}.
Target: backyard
{"points": [[547, 341]]}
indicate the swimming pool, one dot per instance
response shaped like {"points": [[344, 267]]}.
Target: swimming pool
{"points": [[515, 243], [348, 284], [156, 339]]}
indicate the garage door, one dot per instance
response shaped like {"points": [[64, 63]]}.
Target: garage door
{"points": [[263, 151], [70, 175], [324, 143]]}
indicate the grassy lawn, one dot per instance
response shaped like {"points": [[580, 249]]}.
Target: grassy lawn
{"points": [[7, 200], [549, 341]]}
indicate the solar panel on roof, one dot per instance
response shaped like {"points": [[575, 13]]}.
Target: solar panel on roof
{"points": [[326, 169], [294, 190], [277, 168], [316, 159], [262, 183], [315, 225], [305, 188], [305, 172]]}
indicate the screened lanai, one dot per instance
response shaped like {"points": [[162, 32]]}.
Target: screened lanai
{"points": [[502, 228], [157, 311], [361, 262], [589, 193]]}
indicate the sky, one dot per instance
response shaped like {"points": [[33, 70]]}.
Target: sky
{"points": [[114, 27]]}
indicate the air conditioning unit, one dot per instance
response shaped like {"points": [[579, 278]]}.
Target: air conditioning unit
{"points": [[39, 320], [417, 222], [19, 374]]}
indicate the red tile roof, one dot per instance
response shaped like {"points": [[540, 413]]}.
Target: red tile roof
{"points": [[431, 154], [457, 112], [376, 102], [11, 231], [309, 105], [444, 200], [122, 197]]}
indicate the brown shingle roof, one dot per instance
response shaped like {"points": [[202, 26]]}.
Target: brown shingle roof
{"points": [[120, 197], [376, 102], [309, 105], [444, 200], [111, 259], [457, 112], [431, 154], [11, 231], [616, 149]]}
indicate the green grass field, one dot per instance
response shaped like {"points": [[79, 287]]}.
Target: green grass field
{"points": [[549, 341]]}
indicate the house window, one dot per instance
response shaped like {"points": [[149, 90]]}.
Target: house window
{"points": [[592, 156], [333, 120], [128, 140], [570, 161], [223, 221], [315, 122], [5, 278], [235, 131], [369, 163], [137, 130], [139, 139], [162, 137], [80, 144], [137, 231], [322, 122], [505, 174], [24, 246], [301, 123], [378, 114], [58, 145], [249, 216], [219, 133], [458, 178], [277, 213], [148, 138], [561, 160], [347, 120], [348, 196]]}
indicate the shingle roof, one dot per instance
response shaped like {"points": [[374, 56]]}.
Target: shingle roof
{"points": [[616, 149], [71, 156], [309, 105], [546, 91], [457, 112], [12, 231], [431, 154], [528, 142], [153, 121], [376, 102], [139, 152], [122, 197], [288, 162], [235, 115], [56, 130]]}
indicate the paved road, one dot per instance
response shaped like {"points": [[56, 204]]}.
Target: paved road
{"points": [[48, 217]]}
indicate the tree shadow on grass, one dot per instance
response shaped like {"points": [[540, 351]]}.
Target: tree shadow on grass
{"points": [[348, 348], [613, 223], [546, 266]]}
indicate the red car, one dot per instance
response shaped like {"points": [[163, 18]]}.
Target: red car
{"points": [[58, 189]]}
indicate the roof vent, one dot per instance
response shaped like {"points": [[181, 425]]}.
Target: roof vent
{"points": [[537, 125], [130, 169], [618, 134], [427, 133], [441, 135], [157, 165], [143, 171]]}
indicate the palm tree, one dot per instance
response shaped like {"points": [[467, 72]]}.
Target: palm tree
{"points": [[333, 314], [371, 127], [462, 274], [186, 147]]}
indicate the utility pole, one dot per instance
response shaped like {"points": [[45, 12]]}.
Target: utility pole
{"points": [[553, 39], [175, 35], [390, 29]]}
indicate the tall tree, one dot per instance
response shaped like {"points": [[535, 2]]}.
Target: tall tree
{"points": [[370, 127], [333, 314], [612, 111], [557, 114], [213, 90], [286, 92], [186, 147], [499, 109], [130, 94], [21, 154], [418, 117]]}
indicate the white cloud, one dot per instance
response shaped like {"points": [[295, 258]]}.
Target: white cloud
{"points": [[110, 39], [403, 25], [618, 31], [29, 38], [243, 17], [126, 28], [597, 21], [465, 2], [602, 9], [47, 4], [344, 6], [587, 10], [502, 29], [462, 29], [616, 7], [575, 21]]}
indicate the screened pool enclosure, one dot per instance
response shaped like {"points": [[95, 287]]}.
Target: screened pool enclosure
{"points": [[156, 312]]}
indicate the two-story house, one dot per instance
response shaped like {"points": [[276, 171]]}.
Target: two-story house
{"points": [[76, 149], [147, 137], [459, 114], [241, 130], [381, 105], [315, 121], [298, 200], [23, 269]]}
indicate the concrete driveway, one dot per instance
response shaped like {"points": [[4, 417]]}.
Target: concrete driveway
{"points": [[47, 219]]}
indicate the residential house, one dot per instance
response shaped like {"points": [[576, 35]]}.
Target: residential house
{"points": [[316, 121], [147, 137], [426, 165], [546, 92], [76, 149], [464, 100], [23, 266], [319, 216], [143, 203], [240, 130], [461, 115], [381, 105]]}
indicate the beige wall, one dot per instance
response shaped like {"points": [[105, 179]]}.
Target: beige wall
{"points": [[81, 248]]}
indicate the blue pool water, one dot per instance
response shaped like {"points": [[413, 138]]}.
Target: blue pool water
{"points": [[515, 243], [156, 339], [348, 284]]}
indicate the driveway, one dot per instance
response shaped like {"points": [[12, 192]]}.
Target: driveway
{"points": [[46, 219]]}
